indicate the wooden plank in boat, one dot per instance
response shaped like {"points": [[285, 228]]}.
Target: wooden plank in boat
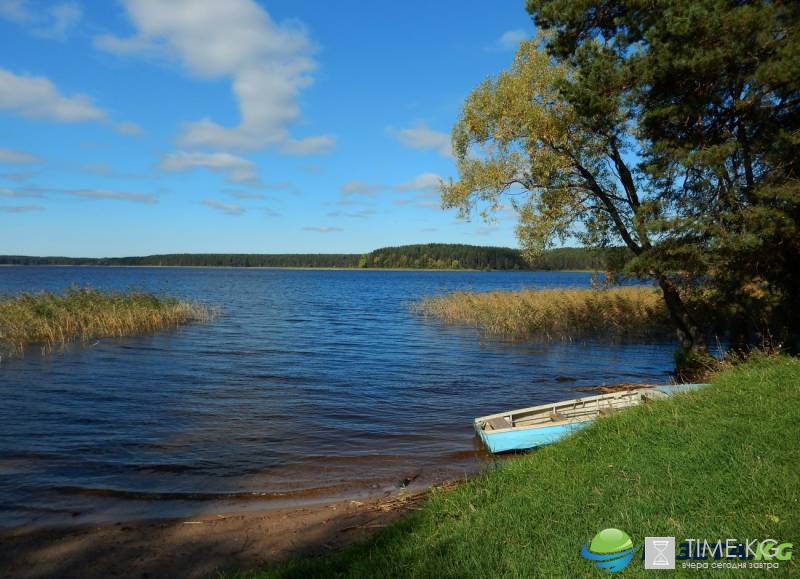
{"points": [[498, 423]]}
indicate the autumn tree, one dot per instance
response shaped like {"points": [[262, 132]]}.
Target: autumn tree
{"points": [[567, 174]]}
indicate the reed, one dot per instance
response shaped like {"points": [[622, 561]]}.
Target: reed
{"points": [[555, 314], [78, 314]]}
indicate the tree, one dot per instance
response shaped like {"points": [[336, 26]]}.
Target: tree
{"points": [[565, 165], [716, 86]]}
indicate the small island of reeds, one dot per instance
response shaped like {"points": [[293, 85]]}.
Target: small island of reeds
{"points": [[78, 314], [556, 314]]}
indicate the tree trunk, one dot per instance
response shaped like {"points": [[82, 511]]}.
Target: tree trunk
{"points": [[740, 336], [689, 334]]}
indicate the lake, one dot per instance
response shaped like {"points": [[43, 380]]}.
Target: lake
{"points": [[309, 385]]}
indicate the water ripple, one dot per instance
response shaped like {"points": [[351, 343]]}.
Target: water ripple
{"points": [[308, 384]]}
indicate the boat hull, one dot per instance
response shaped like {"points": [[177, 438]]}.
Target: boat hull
{"points": [[526, 438], [510, 439]]}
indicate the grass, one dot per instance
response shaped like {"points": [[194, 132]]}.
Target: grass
{"points": [[714, 464], [556, 314], [81, 314]]}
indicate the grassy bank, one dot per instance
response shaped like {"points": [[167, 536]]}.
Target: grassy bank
{"points": [[81, 314], [715, 464], [556, 314]]}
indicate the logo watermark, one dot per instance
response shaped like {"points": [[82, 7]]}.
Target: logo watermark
{"points": [[612, 550], [659, 552]]}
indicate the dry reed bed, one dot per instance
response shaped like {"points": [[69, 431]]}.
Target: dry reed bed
{"points": [[81, 314], [556, 314]]}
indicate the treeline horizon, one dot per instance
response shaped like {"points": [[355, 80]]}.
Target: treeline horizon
{"points": [[417, 256]]}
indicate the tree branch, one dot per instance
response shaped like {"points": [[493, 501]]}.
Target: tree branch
{"points": [[611, 209], [625, 175]]}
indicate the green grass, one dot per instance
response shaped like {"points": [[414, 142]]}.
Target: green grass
{"points": [[48, 319], [556, 314], [716, 464]]}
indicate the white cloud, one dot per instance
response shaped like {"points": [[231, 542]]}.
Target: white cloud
{"points": [[248, 195], [24, 192], [106, 170], [14, 10], [103, 169], [319, 145], [423, 182], [425, 189], [127, 128], [275, 186], [360, 188], [269, 64], [18, 176], [360, 214], [111, 195], [236, 169], [13, 157], [133, 45], [269, 212], [100, 194], [311, 169], [54, 22], [322, 229], [20, 208], [226, 208], [349, 201], [62, 18], [510, 39], [37, 98], [424, 138]]}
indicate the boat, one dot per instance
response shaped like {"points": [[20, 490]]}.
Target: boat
{"points": [[667, 390], [539, 425]]}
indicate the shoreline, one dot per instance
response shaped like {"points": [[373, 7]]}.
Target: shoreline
{"points": [[201, 545], [308, 268]]}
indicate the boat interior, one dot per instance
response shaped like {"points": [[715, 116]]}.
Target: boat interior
{"points": [[565, 412]]}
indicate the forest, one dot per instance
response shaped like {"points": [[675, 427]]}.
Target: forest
{"points": [[198, 260], [444, 256], [421, 256]]}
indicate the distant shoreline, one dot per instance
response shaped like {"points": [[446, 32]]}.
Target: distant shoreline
{"points": [[419, 257], [310, 268]]}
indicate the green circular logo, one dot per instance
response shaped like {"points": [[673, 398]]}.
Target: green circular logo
{"points": [[610, 541], [611, 550]]}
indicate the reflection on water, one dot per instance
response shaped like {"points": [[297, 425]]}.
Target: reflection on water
{"points": [[310, 384]]}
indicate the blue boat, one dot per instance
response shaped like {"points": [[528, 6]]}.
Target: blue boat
{"points": [[539, 425], [670, 389]]}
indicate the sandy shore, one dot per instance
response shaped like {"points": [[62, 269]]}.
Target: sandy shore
{"points": [[196, 547]]}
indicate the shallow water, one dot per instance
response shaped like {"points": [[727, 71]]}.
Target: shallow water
{"points": [[309, 385]]}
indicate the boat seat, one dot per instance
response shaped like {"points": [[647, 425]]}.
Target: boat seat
{"points": [[498, 423], [557, 416]]}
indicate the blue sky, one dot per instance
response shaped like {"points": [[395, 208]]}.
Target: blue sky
{"points": [[135, 127]]}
